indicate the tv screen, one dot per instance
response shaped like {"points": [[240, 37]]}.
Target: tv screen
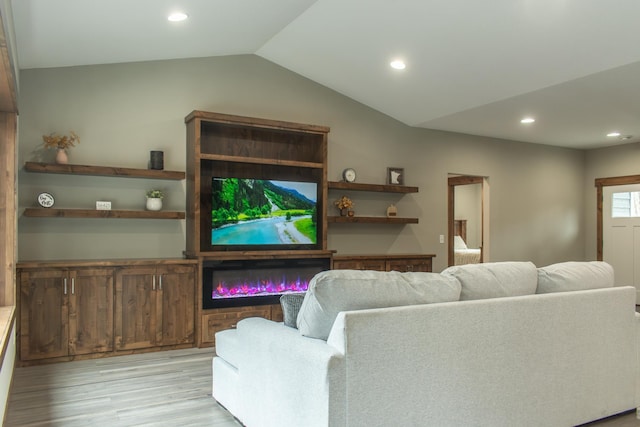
{"points": [[268, 213]]}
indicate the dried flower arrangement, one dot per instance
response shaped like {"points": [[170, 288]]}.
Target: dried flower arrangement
{"points": [[344, 203], [61, 142], [155, 194]]}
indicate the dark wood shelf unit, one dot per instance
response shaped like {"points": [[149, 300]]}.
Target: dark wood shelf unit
{"points": [[103, 171], [371, 220], [287, 254], [223, 145], [94, 213], [380, 188], [262, 161]]}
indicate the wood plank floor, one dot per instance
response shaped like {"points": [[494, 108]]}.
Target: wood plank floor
{"points": [[169, 388]]}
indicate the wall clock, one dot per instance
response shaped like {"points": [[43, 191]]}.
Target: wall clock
{"points": [[349, 175], [45, 200]]}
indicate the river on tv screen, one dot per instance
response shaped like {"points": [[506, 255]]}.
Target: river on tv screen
{"points": [[263, 212]]}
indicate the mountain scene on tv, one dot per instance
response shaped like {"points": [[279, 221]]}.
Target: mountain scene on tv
{"points": [[263, 212]]}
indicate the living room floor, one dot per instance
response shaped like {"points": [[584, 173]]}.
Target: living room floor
{"points": [[168, 388]]}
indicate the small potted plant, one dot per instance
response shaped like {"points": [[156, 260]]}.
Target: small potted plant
{"points": [[61, 143], [344, 204], [154, 200]]}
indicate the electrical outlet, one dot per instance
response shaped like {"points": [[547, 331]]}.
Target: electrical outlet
{"points": [[442, 238]]}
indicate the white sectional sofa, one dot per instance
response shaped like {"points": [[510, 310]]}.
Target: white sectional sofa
{"points": [[502, 344]]}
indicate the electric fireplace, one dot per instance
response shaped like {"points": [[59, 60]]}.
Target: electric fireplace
{"points": [[256, 282]]}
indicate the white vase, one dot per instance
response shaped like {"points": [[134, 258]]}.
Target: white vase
{"points": [[154, 204], [61, 157]]}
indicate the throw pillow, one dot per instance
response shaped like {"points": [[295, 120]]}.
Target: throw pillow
{"points": [[291, 304], [575, 276], [495, 279], [333, 291]]}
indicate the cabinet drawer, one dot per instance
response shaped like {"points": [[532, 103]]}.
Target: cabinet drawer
{"points": [[371, 264], [227, 318], [409, 265]]}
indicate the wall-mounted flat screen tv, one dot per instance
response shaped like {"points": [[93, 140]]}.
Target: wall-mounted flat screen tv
{"points": [[263, 214]]}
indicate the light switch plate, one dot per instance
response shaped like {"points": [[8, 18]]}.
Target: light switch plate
{"points": [[103, 206], [442, 238]]}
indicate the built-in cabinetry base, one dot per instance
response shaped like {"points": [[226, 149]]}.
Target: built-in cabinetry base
{"points": [[71, 310], [403, 263]]}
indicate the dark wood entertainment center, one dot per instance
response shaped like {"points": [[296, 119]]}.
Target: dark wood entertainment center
{"points": [[81, 309]]}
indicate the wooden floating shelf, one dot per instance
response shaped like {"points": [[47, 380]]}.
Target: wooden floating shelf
{"points": [[94, 213], [261, 161], [381, 188], [103, 171], [371, 220]]}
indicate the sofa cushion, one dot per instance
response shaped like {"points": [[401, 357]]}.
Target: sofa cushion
{"points": [[574, 276], [494, 280], [291, 304], [331, 292]]}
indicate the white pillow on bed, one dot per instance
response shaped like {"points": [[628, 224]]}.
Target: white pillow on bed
{"points": [[458, 243]]}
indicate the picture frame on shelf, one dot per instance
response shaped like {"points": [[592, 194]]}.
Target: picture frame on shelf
{"points": [[395, 176]]}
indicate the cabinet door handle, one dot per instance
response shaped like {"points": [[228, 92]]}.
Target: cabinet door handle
{"points": [[154, 282], [73, 286], [65, 285], [160, 282]]}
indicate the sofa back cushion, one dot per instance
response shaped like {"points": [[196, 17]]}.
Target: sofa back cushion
{"points": [[333, 291], [574, 276], [494, 280]]}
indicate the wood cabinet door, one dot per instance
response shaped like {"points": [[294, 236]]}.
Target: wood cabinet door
{"points": [[135, 308], [91, 311], [43, 314], [176, 298]]}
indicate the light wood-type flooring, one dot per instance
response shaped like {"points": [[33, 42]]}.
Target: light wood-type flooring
{"points": [[169, 388]]}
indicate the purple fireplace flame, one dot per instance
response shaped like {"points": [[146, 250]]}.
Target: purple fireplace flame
{"points": [[258, 288], [248, 282]]}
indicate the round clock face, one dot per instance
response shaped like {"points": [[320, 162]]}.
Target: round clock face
{"points": [[45, 200], [349, 175]]}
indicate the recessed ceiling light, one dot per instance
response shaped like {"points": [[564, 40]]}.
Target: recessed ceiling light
{"points": [[527, 120], [613, 134], [398, 64], [177, 17]]}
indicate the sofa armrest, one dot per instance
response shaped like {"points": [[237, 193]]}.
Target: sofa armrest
{"points": [[298, 380]]}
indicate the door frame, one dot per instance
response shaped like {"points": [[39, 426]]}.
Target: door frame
{"points": [[607, 182], [452, 182]]}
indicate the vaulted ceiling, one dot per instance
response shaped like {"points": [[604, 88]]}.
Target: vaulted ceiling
{"points": [[476, 67]]}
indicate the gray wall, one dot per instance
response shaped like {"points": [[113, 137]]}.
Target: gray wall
{"points": [[123, 111]]}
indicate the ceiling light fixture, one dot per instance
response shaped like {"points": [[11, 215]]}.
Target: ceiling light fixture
{"points": [[398, 64], [527, 120], [177, 17], [613, 134]]}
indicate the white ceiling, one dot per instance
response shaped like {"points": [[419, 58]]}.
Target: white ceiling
{"points": [[474, 67]]}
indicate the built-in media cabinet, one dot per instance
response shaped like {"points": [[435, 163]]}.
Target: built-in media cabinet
{"points": [[232, 162]]}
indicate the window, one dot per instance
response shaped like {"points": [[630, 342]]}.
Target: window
{"points": [[625, 205]]}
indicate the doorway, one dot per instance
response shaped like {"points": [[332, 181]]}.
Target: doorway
{"points": [[468, 219], [618, 228]]}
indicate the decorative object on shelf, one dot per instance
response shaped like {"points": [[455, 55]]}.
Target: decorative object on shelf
{"points": [[102, 205], [395, 176], [45, 200], [61, 143], [344, 204], [351, 212], [156, 160], [392, 210], [154, 200], [349, 175]]}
